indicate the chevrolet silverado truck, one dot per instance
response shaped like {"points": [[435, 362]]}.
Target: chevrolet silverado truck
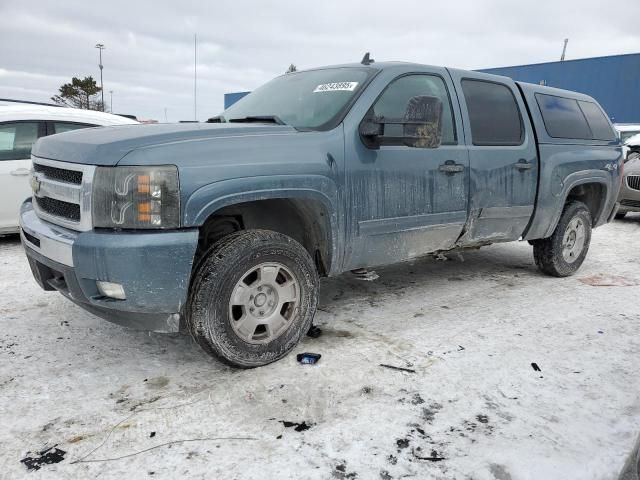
{"points": [[223, 229]]}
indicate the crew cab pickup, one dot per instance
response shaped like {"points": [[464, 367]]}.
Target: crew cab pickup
{"points": [[223, 229]]}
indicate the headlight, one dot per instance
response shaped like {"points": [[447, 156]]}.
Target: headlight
{"points": [[136, 197]]}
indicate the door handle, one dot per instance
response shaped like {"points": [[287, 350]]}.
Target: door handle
{"points": [[19, 172], [522, 164], [451, 167]]}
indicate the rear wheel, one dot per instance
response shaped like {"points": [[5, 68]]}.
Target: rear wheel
{"points": [[563, 252], [253, 297]]}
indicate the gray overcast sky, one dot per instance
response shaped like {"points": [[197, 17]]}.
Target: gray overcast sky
{"points": [[148, 61]]}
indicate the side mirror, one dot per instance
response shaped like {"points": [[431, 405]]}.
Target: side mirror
{"points": [[370, 129], [422, 122]]}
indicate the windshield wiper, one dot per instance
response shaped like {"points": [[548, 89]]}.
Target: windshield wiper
{"points": [[216, 119], [258, 119]]}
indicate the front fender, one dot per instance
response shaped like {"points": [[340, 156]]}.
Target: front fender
{"points": [[210, 198]]}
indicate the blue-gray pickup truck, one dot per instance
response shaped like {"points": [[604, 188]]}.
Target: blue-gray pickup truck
{"points": [[223, 229]]}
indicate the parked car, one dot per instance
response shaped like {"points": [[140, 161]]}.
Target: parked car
{"points": [[20, 127], [224, 229], [629, 197], [626, 131], [633, 145]]}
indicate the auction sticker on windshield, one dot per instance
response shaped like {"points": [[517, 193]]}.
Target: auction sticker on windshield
{"points": [[336, 87]]}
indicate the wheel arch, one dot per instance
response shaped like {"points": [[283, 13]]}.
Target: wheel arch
{"points": [[590, 186], [306, 213], [592, 191]]}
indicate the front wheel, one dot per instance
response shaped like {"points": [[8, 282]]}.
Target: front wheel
{"points": [[563, 252], [253, 298]]}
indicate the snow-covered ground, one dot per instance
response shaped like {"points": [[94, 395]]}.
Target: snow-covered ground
{"points": [[126, 404]]}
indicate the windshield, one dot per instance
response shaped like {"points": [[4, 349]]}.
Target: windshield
{"points": [[305, 100]]}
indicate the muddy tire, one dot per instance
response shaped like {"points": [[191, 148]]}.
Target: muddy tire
{"points": [[563, 252], [252, 298]]}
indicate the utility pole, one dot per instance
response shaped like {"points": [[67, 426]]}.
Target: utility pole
{"points": [[195, 76], [101, 47], [564, 49], [111, 101]]}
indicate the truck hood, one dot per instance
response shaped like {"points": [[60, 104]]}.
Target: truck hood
{"points": [[106, 146]]}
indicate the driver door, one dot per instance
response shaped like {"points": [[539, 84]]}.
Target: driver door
{"points": [[405, 202]]}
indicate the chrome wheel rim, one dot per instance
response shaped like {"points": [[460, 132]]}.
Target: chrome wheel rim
{"points": [[264, 303], [573, 240]]}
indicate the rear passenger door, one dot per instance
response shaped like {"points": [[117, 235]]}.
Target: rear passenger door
{"points": [[502, 156]]}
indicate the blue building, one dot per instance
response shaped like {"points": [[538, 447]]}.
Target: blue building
{"points": [[613, 81], [231, 98]]}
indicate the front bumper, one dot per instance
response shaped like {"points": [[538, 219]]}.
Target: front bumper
{"points": [[153, 267], [629, 197]]}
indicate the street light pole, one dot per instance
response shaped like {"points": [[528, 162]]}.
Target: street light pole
{"points": [[564, 49], [195, 77], [101, 47]]}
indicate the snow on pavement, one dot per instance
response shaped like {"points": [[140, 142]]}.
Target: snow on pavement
{"points": [[95, 399]]}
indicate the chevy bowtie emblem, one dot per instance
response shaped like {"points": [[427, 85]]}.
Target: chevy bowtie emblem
{"points": [[35, 184]]}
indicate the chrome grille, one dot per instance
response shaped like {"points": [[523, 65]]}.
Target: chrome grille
{"points": [[633, 182], [62, 192], [69, 176], [59, 208]]}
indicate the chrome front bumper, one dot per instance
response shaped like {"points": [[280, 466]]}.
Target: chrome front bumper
{"points": [[47, 239]]}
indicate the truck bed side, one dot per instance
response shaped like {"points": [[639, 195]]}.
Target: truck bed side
{"points": [[584, 169]]}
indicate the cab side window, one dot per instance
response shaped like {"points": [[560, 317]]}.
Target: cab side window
{"points": [[393, 102], [575, 119], [563, 117], [17, 138], [598, 123], [493, 113]]}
